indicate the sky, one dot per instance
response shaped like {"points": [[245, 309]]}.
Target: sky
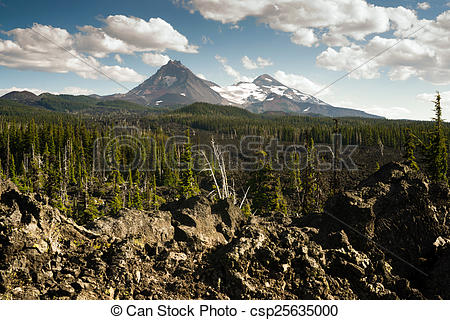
{"points": [[397, 53]]}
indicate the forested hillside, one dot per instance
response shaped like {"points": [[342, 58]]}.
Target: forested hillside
{"points": [[60, 155]]}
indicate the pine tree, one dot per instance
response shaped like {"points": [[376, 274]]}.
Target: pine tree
{"points": [[117, 201], [410, 147], [137, 197], [12, 169], [437, 149], [266, 189], [296, 177], [310, 184], [91, 211], [2, 176], [188, 186], [130, 190]]}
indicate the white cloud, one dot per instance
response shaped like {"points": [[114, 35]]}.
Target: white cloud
{"points": [[76, 91], [96, 42], [423, 6], [348, 58], [155, 59], [356, 30], [248, 63], [50, 49], [263, 62], [410, 57], [152, 35], [304, 37], [303, 18], [259, 63], [201, 76], [126, 35], [231, 71], [299, 82], [122, 74], [118, 58]]}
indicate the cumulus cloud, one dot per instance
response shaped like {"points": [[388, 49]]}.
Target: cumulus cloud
{"points": [[52, 49], [304, 18], [153, 35], [201, 76], [122, 74], [96, 42], [259, 63], [304, 37], [355, 32], [155, 59], [424, 54], [231, 71], [423, 6]]}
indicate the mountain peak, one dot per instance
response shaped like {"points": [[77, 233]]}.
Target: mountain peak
{"points": [[174, 84], [173, 66], [21, 96], [267, 80], [175, 63]]}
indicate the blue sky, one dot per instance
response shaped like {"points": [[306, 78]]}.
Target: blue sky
{"points": [[304, 44]]}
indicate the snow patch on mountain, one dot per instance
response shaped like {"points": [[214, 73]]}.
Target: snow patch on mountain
{"points": [[262, 89], [241, 92]]}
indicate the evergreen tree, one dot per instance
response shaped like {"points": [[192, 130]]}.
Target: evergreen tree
{"points": [[12, 169], [91, 211], [410, 147], [296, 177], [437, 155], [266, 189], [130, 190], [188, 186], [310, 185], [117, 201]]}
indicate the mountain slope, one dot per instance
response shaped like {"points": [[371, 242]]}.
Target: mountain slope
{"points": [[266, 94], [19, 102], [24, 97], [174, 84]]}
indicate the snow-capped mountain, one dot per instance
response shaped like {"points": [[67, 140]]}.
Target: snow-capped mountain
{"points": [[174, 84], [262, 88], [266, 94]]}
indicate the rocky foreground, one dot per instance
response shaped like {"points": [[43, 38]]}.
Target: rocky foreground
{"points": [[388, 239]]}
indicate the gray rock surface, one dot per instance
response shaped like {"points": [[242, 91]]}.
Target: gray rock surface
{"points": [[197, 249]]}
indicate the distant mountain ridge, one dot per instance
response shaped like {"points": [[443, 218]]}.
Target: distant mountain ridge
{"points": [[25, 97], [175, 85], [266, 94]]}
